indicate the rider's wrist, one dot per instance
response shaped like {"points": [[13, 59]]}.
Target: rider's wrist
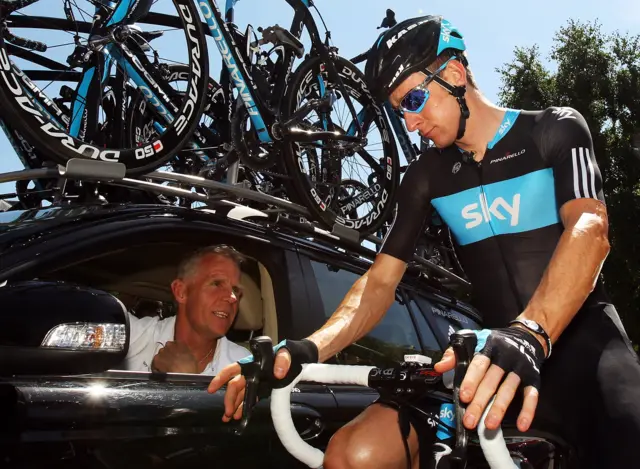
{"points": [[537, 331], [305, 350]]}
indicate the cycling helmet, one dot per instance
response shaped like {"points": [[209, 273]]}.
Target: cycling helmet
{"points": [[409, 47]]}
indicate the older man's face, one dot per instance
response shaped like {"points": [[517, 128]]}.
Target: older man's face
{"points": [[212, 292]]}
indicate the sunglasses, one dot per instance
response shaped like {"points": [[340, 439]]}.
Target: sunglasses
{"points": [[416, 99]]}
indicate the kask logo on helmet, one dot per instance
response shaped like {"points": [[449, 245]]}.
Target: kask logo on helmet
{"points": [[397, 36]]}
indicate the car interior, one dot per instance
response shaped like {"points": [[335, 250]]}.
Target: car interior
{"points": [[141, 275]]}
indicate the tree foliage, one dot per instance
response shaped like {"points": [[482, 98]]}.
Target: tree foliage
{"points": [[598, 74]]}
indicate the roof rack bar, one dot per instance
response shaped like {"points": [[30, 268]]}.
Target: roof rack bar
{"points": [[76, 168], [28, 174], [325, 235], [358, 248], [230, 189], [166, 190]]}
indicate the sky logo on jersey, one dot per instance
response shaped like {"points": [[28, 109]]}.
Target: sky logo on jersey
{"points": [[516, 205], [482, 211]]}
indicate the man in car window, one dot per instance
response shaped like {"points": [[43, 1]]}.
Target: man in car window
{"points": [[207, 290]]}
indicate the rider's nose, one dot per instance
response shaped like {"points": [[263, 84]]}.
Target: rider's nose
{"points": [[412, 120]]}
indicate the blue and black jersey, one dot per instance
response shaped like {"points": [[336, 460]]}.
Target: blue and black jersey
{"points": [[504, 212]]}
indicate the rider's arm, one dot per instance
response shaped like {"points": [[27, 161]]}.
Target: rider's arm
{"points": [[372, 294], [565, 143]]}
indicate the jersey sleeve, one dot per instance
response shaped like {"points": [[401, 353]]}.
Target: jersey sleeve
{"points": [[566, 145], [411, 210]]}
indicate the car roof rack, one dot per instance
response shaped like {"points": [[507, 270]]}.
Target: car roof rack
{"points": [[283, 214]]}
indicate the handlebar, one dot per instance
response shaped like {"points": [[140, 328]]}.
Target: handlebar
{"points": [[405, 380]]}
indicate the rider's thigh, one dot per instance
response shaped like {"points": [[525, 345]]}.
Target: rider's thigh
{"points": [[616, 420], [372, 439]]}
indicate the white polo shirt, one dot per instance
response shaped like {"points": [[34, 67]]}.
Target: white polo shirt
{"points": [[149, 334]]}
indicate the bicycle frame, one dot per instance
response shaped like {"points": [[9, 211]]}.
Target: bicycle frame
{"points": [[135, 66], [261, 116], [157, 92], [286, 65]]}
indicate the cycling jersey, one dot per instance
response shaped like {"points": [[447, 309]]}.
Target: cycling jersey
{"points": [[503, 212], [505, 216]]}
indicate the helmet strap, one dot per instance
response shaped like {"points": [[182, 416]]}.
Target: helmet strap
{"points": [[458, 93], [464, 111]]}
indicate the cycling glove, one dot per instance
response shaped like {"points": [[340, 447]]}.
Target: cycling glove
{"points": [[512, 349]]}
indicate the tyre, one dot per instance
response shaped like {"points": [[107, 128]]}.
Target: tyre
{"points": [[337, 181], [141, 123], [51, 135]]}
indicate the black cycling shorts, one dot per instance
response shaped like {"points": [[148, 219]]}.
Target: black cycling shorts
{"points": [[589, 398]]}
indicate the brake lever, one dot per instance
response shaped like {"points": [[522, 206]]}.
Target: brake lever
{"points": [[255, 371], [463, 344]]}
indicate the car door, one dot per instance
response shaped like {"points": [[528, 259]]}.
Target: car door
{"points": [[142, 419]]}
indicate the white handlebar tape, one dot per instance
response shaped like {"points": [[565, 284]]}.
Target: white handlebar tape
{"points": [[493, 445], [281, 405], [492, 441]]}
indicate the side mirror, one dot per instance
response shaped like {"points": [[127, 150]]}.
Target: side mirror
{"points": [[49, 327]]}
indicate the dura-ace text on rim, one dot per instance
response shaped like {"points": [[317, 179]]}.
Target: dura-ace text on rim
{"points": [[381, 190], [40, 132]]}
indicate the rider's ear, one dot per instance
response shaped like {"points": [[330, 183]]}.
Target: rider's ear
{"points": [[457, 74]]}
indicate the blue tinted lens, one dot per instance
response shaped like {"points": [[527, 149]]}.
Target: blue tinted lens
{"points": [[414, 100]]}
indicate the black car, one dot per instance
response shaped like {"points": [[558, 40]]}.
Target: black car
{"points": [[78, 409]]}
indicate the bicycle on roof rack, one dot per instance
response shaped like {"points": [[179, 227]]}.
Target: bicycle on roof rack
{"points": [[280, 214], [280, 118]]}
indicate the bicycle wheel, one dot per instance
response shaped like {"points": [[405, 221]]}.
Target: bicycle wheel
{"points": [[207, 142], [79, 130], [339, 182]]}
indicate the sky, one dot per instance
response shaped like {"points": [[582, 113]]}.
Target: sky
{"points": [[492, 29]]}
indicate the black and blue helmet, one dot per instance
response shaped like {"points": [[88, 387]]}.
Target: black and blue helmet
{"points": [[409, 47]]}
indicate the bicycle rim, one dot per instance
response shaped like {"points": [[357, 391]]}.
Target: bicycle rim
{"points": [[51, 134], [352, 188]]}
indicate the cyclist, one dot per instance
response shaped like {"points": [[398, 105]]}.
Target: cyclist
{"points": [[522, 193]]}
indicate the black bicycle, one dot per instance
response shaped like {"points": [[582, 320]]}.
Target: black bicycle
{"points": [[274, 115], [478, 449]]}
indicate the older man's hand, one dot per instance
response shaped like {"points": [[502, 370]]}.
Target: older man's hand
{"points": [[174, 357]]}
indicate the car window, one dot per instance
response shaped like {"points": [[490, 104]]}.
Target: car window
{"points": [[140, 275], [391, 339]]}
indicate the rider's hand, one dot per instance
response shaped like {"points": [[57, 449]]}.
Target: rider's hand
{"points": [[234, 395], [174, 357], [303, 351], [512, 350]]}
